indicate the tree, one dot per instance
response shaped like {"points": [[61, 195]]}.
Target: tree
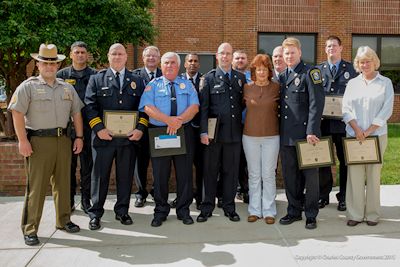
{"points": [[25, 24]]}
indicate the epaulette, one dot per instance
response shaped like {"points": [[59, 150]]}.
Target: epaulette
{"points": [[211, 71], [103, 70]]}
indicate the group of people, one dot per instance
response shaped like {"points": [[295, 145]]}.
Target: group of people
{"points": [[260, 113]]}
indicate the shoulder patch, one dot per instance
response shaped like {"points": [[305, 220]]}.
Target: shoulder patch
{"points": [[316, 76], [14, 99], [147, 88], [201, 84]]}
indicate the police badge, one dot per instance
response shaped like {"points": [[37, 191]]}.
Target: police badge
{"points": [[133, 85], [182, 86], [346, 75], [297, 81]]}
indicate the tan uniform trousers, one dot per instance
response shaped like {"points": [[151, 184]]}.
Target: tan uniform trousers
{"points": [[363, 189], [50, 162]]}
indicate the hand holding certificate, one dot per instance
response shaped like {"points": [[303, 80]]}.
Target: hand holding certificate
{"points": [[164, 144], [315, 155], [362, 152]]}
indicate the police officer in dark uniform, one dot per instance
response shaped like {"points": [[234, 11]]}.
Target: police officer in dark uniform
{"points": [[117, 89], [221, 96], [171, 102], [301, 106], [78, 75], [151, 59], [335, 75]]}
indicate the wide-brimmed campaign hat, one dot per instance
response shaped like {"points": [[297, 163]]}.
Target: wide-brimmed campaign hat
{"points": [[48, 53]]}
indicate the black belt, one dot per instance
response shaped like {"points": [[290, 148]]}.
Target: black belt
{"points": [[48, 132]]}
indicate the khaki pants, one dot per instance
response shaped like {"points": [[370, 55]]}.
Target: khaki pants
{"points": [[50, 162], [363, 189]]}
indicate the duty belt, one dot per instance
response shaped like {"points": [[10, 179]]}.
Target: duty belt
{"points": [[48, 132]]}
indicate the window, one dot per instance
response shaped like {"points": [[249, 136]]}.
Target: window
{"points": [[207, 62], [268, 41], [388, 50]]}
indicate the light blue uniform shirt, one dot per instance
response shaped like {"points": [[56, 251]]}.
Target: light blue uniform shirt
{"points": [[158, 93]]}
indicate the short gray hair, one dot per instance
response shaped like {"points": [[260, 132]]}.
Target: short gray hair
{"points": [[366, 52], [170, 55], [151, 47]]}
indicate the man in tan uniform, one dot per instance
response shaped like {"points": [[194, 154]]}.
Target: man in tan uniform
{"points": [[41, 108]]}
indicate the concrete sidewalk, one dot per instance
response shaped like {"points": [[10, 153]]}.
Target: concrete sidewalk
{"points": [[217, 242]]}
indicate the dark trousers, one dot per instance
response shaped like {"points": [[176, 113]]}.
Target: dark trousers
{"points": [[325, 173], [198, 164], [243, 174], [86, 165], [184, 179], [296, 181], [143, 160], [125, 157], [222, 158]]}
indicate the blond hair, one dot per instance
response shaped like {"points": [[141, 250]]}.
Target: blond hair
{"points": [[291, 41], [365, 52]]}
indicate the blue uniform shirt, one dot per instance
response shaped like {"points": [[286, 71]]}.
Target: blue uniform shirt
{"points": [[158, 93]]}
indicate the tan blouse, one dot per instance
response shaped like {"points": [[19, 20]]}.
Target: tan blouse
{"points": [[262, 109]]}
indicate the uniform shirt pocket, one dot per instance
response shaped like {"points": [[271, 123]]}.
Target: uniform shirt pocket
{"points": [[42, 101], [162, 100]]}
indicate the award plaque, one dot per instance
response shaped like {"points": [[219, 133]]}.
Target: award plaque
{"points": [[315, 155], [212, 128], [120, 122], [333, 107], [362, 152]]}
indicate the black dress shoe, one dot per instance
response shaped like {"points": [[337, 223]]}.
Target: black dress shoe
{"points": [[124, 219], [203, 217], [288, 219], [94, 224], [85, 205], [187, 220], [31, 240], [341, 206], [246, 198], [70, 227], [156, 222], [139, 203], [322, 203], [311, 223], [172, 204], [233, 216]]}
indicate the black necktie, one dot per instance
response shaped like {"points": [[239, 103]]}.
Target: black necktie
{"points": [[227, 77], [174, 107], [191, 79], [151, 76], [333, 70], [117, 79], [289, 71]]}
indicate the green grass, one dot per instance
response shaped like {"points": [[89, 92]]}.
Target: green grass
{"points": [[391, 159]]}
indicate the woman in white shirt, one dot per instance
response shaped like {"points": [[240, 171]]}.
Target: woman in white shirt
{"points": [[367, 105]]}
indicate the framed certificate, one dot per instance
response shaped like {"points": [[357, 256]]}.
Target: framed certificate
{"points": [[316, 155], [120, 122], [361, 152], [163, 144], [333, 107], [212, 128]]}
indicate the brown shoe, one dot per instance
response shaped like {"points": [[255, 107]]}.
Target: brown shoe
{"points": [[371, 223], [269, 220], [352, 223], [252, 218]]}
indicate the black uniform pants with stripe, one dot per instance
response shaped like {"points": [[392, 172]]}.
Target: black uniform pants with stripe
{"points": [[296, 181], [325, 173], [222, 158], [103, 156], [184, 179]]}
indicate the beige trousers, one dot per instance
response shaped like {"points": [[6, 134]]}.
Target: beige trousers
{"points": [[363, 189], [49, 163]]}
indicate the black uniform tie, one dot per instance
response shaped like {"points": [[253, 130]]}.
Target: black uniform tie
{"points": [[151, 76], [191, 79], [174, 107], [118, 81], [333, 70]]}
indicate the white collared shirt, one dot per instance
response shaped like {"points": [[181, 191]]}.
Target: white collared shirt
{"points": [[368, 102], [194, 77]]}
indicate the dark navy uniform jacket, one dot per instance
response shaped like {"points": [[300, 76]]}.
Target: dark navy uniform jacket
{"points": [[196, 120], [79, 80], [301, 104], [143, 74], [222, 99], [335, 86], [103, 94]]}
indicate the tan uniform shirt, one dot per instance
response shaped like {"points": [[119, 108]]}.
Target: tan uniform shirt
{"points": [[45, 107]]}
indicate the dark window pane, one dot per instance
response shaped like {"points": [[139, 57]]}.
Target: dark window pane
{"points": [[358, 41], [207, 63], [267, 42], [390, 53]]}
